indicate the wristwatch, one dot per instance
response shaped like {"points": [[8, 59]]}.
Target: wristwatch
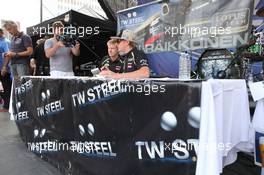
{"points": [[16, 55]]}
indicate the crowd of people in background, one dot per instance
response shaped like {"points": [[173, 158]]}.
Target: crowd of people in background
{"points": [[21, 49], [14, 59], [51, 57], [5, 77]]}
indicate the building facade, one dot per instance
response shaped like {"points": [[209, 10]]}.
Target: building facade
{"points": [[53, 8], [66, 5]]}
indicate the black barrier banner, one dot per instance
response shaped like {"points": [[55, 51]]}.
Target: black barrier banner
{"points": [[103, 127], [183, 25]]}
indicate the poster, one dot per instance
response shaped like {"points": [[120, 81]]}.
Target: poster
{"points": [[91, 126]]}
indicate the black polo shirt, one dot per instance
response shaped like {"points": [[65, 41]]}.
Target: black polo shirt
{"points": [[114, 66], [134, 60], [39, 55], [20, 43]]}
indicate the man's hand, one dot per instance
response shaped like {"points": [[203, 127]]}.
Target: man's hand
{"points": [[105, 67], [4, 71], [77, 45], [76, 49], [33, 66], [109, 74], [10, 55], [106, 72], [59, 44]]}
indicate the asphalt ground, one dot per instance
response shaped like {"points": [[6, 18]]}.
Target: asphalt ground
{"points": [[15, 158]]}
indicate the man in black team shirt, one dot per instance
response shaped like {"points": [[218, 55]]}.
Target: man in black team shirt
{"points": [[135, 64], [39, 62], [112, 61]]}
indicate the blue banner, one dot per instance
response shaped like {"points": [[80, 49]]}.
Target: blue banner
{"points": [[163, 29], [185, 25]]}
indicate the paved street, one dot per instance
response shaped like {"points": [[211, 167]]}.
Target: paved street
{"points": [[15, 159]]}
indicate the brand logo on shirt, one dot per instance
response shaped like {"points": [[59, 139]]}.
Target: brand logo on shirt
{"points": [[129, 65], [18, 41], [118, 68]]}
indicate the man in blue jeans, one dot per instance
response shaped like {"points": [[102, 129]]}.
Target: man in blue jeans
{"points": [[5, 75], [20, 51]]}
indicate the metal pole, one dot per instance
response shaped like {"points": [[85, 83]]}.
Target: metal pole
{"points": [[41, 12]]}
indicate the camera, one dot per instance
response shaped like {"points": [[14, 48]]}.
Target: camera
{"points": [[68, 40]]}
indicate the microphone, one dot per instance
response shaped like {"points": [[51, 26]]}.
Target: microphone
{"points": [[221, 74]]}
